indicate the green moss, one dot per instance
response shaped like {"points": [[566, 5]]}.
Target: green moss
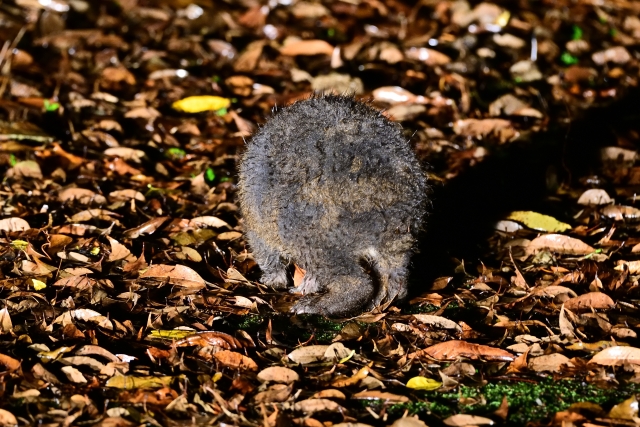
{"points": [[528, 401], [250, 321]]}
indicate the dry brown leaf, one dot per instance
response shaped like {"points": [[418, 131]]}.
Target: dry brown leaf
{"points": [[594, 197], [234, 360], [482, 128], [8, 363], [558, 243], [554, 362], [591, 300], [307, 47], [429, 57], [452, 350], [380, 395], [275, 393], [278, 374], [210, 338], [14, 224], [177, 275], [617, 356], [437, 322], [81, 195], [7, 419], [621, 213], [126, 153], [118, 250], [461, 420], [148, 227], [311, 406], [126, 195], [79, 283]]}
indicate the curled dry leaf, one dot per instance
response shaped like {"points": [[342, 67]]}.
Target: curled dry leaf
{"points": [[210, 338], [14, 224], [397, 95], [278, 374], [234, 360], [452, 350], [633, 267], [617, 356], [558, 243], [594, 197], [621, 213], [591, 300], [118, 250], [306, 47], [148, 227]]}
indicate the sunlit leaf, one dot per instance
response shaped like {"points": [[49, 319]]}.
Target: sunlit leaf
{"points": [[423, 383], [198, 104]]}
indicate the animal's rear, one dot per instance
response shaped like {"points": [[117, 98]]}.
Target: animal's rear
{"points": [[331, 184]]}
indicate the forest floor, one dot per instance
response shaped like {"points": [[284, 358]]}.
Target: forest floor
{"points": [[129, 297]]}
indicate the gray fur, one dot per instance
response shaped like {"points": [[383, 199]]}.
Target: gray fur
{"points": [[331, 185]]}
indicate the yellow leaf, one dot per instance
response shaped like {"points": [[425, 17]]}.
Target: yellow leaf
{"points": [[20, 245], [38, 285], [539, 222], [423, 383], [344, 359], [174, 334], [198, 104]]}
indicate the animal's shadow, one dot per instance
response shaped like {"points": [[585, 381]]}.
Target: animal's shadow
{"points": [[521, 176]]}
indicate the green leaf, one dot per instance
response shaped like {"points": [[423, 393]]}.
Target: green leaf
{"points": [[175, 153], [50, 106], [577, 33], [568, 59], [12, 160], [423, 383], [209, 175]]}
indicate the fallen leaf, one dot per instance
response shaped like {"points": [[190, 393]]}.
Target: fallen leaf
{"points": [[177, 275], [278, 374], [591, 300], [452, 350], [540, 222], [234, 360], [617, 356], [558, 243], [423, 383], [14, 224], [307, 47], [594, 197]]}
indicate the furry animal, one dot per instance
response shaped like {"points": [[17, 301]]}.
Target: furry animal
{"points": [[331, 185]]}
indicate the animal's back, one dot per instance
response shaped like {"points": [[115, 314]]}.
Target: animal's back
{"points": [[330, 183]]}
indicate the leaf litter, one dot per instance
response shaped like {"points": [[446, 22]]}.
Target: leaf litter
{"points": [[129, 295]]}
